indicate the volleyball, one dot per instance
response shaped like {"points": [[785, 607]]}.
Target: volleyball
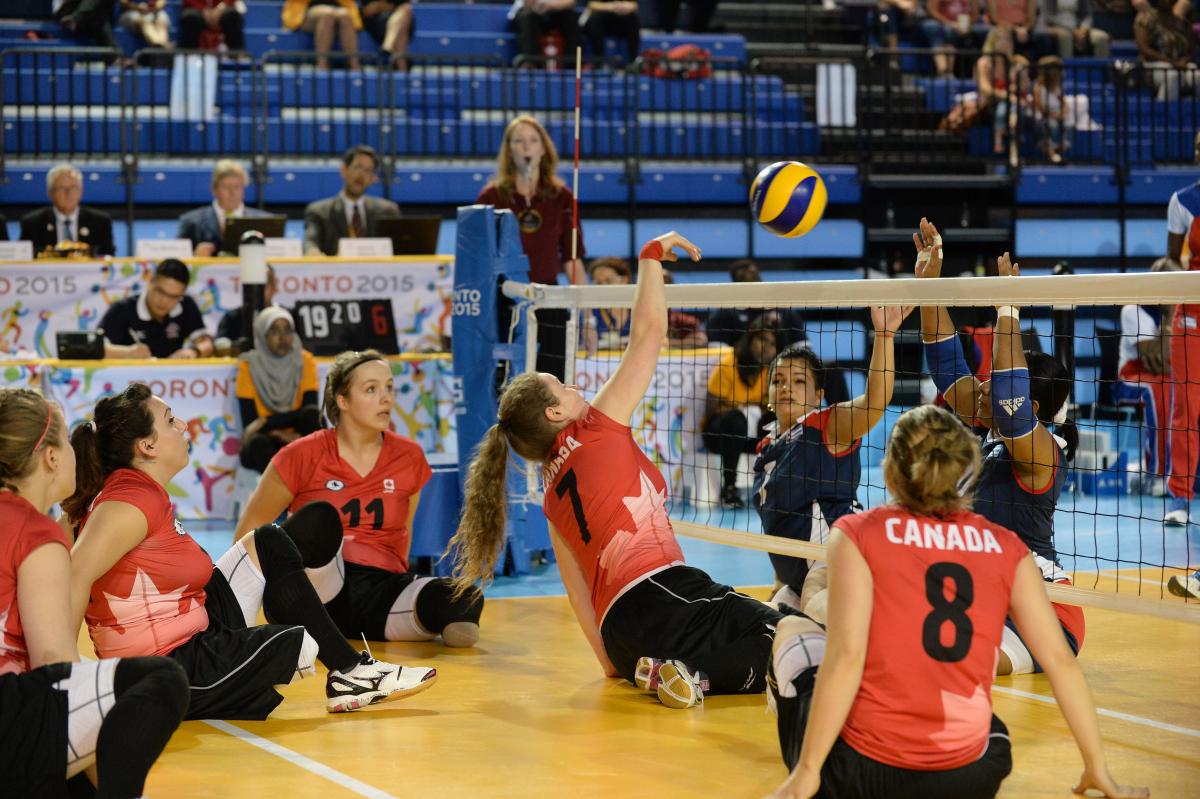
{"points": [[788, 198]]}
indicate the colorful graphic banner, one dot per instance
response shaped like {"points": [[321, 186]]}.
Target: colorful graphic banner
{"points": [[39, 299], [202, 394]]}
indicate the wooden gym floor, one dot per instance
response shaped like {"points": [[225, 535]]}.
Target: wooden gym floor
{"points": [[527, 714]]}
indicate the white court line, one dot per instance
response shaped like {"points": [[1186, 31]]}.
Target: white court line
{"points": [[1113, 714], [318, 768]]}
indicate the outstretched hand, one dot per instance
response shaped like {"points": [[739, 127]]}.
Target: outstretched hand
{"points": [[888, 318], [1102, 781], [929, 250], [1006, 267], [800, 784], [670, 240]]}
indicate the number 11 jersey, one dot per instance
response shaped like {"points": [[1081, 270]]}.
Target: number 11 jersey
{"points": [[609, 504]]}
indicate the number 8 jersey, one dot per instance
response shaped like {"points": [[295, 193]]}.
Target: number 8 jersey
{"points": [[609, 504], [941, 592]]}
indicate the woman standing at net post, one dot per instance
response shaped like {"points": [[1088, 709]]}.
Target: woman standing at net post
{"points": [[808, 467], [926, 583], [527, 183], [1024, 464], [648, 617]]}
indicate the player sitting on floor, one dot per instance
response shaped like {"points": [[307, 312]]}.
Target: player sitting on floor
{"points": [[926, 583], [374, 477], [149, 589], [649, 618], [808, 468], [1024, 464], [58, 715]]}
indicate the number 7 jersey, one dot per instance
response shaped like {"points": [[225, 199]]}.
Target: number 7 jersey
{"points": [[609, 505]]}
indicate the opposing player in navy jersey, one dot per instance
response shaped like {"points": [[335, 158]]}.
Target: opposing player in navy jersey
{"points": [[1024, 464], [808, 467]]}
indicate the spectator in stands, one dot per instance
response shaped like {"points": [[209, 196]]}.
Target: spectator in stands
{"points": [[700, 14], [947, 27], [324, 18], [728, 325], [1143, 370], [615, 19], [147, 20], [205, 226], [66, 221], [162, 322], [1166, 50], [737, 394], [230, 326], [276, 389], [527, 183], [91, 19], [535, 19], [204, 23], [992, 81], [683, 329], [1070, 21], [1050, 109], [390, 23], [1115, 17], [894, 15], [612, 324], [1020, 16], [350, 214]]}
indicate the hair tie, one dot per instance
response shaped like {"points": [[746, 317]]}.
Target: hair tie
{"points": [[46, 429], [91, 425]]}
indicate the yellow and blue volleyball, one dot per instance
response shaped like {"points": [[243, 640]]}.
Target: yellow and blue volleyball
{"points": [[788, 198]]}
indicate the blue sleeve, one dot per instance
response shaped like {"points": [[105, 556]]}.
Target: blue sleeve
{"points": [[946, 363], [1012, 407]]}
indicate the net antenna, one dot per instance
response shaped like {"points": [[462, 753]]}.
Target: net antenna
{"points": [[1111, 540]]}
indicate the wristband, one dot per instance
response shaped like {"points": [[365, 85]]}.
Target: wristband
{"points": [[652, 251], [1007, 310]]}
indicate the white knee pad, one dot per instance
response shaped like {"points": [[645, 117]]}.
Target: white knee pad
{"points": [[89, 698], [328, 579], [796, 655], [402, 624], [306, 663], [245, 579], [1018, 654]]}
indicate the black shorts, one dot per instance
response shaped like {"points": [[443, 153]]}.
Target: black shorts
{"points": [[233, 669], [366, 599], [33, 732], [681, 614], [849, 773]]}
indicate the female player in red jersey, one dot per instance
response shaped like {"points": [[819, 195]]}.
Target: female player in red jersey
{"points": [[648, 617], [58, 715], [148, 588], [374, 478], [918, 594]]}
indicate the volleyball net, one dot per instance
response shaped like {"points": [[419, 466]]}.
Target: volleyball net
{"points": [[707, 408]]}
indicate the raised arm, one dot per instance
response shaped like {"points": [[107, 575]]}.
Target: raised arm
{"points": [[943, 352], [271, 497], [1033, 449], [853, 419], [112, 530], [627, 387], [1031, 611]]}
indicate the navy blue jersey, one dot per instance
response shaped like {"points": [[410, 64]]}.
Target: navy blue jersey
{"points": [[1002, 498], [795, 470]]}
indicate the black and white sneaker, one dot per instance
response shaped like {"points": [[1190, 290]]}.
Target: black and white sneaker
{"points": [[372, 681]]}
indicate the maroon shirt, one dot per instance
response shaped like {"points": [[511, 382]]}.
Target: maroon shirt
{"points": [[545, 228]]}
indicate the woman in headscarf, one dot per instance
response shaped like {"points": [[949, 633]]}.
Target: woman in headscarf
{"points": [[276, 389]]}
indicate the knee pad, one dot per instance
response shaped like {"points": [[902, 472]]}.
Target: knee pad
{"points": [[244, 578], [163, 677], [1018, 654], [90, 696], [439, 609], [306, 662], [277, 552], [316, 530]]}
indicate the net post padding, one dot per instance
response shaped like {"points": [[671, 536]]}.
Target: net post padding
{"points": [[1066, 595]]}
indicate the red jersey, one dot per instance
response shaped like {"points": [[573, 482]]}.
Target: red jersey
{"points": [[27, 529], [374, 508], [152, 600], [545, 228], [941, 593], [610, 504]]}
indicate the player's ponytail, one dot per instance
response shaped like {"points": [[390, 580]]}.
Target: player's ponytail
{"points": [[521, 423], [932, 462], [107, 443]]}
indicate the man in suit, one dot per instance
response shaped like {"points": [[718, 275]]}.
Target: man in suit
{"points": [[67, 220], [205, 226], [351, 214]]}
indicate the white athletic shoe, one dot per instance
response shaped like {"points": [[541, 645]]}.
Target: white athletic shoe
{"points": [[678, 687], [1187, 587], [1177, 512], [373, 681]]}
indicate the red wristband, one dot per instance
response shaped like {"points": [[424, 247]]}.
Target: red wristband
{"points": [[653, 251]]}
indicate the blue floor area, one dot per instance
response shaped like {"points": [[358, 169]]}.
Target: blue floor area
{"points": [[1093, 534]]}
